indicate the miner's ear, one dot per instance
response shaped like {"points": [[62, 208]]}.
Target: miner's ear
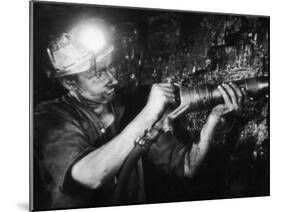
{"points": [[69, 84]]}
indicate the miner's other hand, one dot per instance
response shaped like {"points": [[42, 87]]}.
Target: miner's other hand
{"points": [[232, 96]]}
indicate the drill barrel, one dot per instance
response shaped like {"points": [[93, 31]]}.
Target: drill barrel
{"points": [[207, 96]]}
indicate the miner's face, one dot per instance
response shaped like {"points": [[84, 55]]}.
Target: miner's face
{"points": [[98, 84]]}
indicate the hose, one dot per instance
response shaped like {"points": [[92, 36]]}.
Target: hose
{"points": [[126, 169]]}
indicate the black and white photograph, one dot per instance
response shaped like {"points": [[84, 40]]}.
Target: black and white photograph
{"points": [[137, 106]]}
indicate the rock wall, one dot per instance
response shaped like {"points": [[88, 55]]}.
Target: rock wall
{"points": [[195, 49]]}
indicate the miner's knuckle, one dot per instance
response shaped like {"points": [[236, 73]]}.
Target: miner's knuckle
{"points": [[231, 107], [238, 94], [227, 86]]}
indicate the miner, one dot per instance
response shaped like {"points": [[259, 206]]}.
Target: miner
{"points": [[78, 139]]}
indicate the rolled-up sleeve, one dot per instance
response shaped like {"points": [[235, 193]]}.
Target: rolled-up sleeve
{"points": [[65, 146], [59, 143], [61, 146]]}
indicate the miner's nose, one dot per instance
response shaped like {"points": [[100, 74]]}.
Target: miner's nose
{"points": [[113, 80]]}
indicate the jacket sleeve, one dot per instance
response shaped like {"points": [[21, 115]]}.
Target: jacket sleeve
{"points": [[59, 142]]}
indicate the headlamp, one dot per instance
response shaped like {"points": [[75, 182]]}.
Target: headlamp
{"points": [[90, 37]]}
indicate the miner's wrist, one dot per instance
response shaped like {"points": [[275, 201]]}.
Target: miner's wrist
{"points": [[216, 117]]}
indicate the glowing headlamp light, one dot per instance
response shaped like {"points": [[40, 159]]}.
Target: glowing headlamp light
{"points": [[92, 38]]}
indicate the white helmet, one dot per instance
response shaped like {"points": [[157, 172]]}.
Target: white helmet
{"points": [[75, 51]]}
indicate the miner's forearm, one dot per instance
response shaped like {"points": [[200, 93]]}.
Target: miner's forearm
{"points": [[199, 150], [96, 167]]}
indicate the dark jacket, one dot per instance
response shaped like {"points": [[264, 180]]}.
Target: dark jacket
{"points": [[65, 130]]}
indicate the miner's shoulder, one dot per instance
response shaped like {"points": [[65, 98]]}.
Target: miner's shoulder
{"points": [[55, 110]]}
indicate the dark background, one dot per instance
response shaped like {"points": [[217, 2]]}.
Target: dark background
{"points": [[194, 48]]}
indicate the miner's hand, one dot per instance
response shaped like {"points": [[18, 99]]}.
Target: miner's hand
{"points": [[232, 96], [160, 95]]}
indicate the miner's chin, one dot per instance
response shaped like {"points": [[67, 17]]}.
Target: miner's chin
{"points": [[109, 96]]}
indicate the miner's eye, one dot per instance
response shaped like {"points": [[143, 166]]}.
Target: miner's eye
{"points": [[100, 72], [91, 73]]}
